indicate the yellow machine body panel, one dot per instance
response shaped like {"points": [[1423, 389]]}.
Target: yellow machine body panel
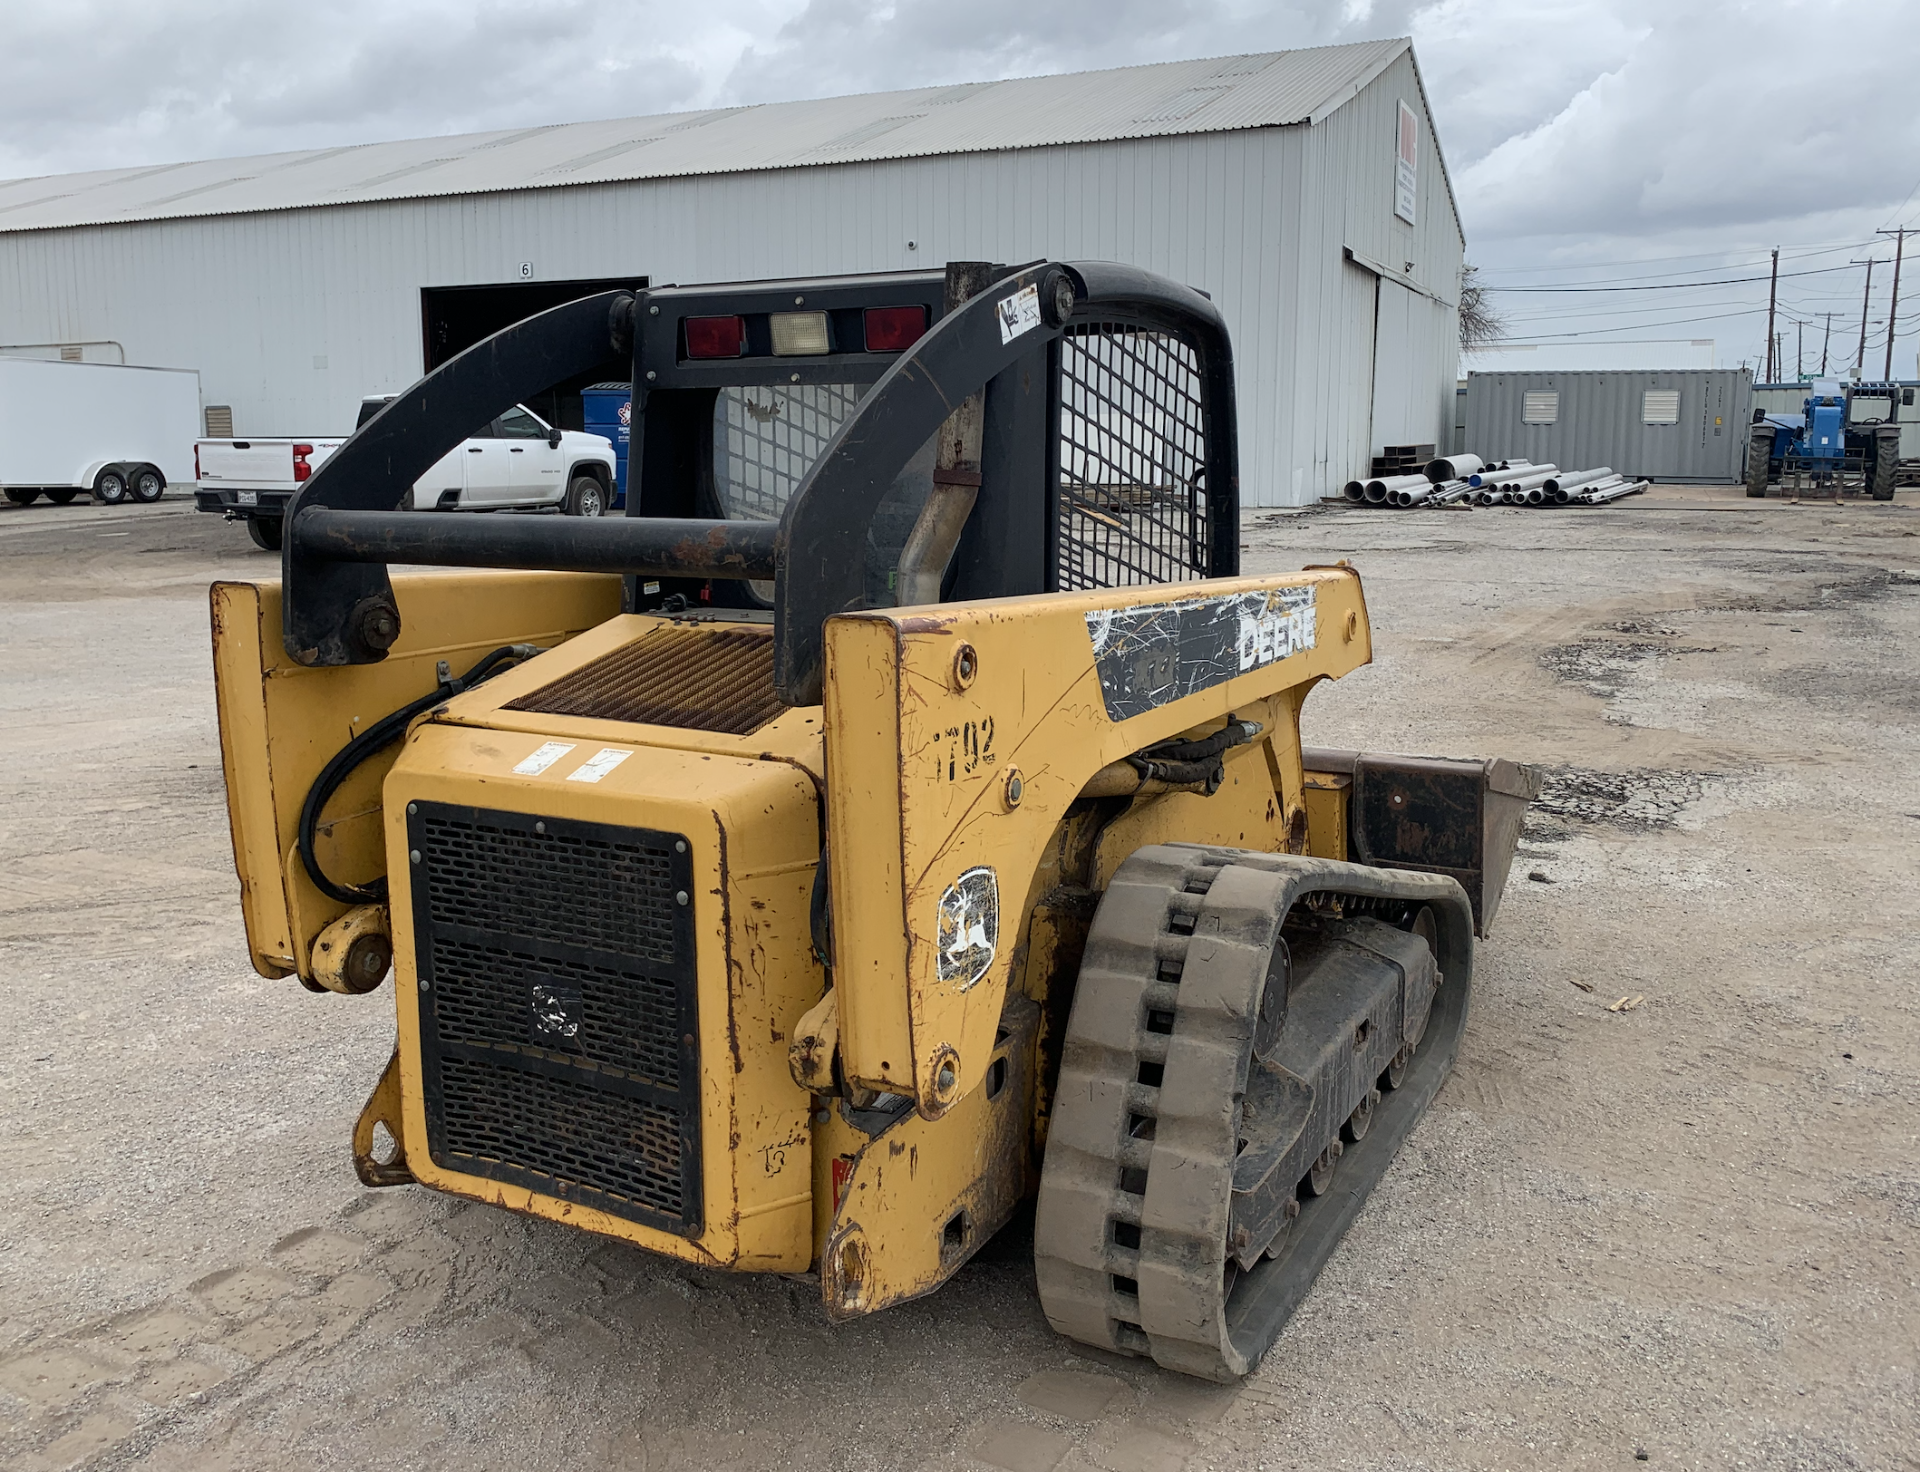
{"points": [[747, 814], [957, 738], [280, 723]]}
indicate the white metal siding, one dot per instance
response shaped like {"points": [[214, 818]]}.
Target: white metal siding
{"points": [[1258, 218]]}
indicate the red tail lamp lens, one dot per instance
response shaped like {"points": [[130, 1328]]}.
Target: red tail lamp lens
{"points": [[301, 470], [894, 329], [716, 337]]}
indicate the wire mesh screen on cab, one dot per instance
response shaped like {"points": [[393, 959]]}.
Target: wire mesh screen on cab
{"points": [[767, 437], [1132, 504]]}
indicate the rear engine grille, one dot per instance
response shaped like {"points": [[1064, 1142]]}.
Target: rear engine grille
{"points": [[558, 1008], [608, 890], [695, 677], [618, 1018], [505, 1117]]}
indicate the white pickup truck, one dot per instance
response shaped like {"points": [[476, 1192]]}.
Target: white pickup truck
{"points": [[518, 462]]}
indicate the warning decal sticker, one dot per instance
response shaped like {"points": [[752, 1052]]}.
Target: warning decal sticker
{"points": [[543, 757], [599, 764], [1019, 313]]}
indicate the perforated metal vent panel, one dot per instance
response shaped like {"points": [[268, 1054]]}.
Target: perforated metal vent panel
{"points": [[695, 677], [1133, 453], [558, 1008]]}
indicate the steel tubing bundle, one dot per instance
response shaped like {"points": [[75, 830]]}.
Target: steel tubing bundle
{"points": [[1491, 475], [1567, 480], [1600, 496], [1471, 479], [1379, 490]]}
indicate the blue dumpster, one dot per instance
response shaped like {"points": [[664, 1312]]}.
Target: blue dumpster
{"points": [[609, 411]]}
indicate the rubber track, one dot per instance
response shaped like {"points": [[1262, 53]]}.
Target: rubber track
{"points": [[1130, 1233]]}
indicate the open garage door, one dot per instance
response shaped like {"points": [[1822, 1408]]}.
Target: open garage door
{"points": [[454, 318]]}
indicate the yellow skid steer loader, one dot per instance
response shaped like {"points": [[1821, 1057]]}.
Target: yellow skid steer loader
{"points": [[897, 816]]}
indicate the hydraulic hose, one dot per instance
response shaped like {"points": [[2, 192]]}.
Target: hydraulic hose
{"points": [[378, 737], [1193, 763]]}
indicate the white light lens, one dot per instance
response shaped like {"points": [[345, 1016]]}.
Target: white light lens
{"points": [[799, 334]]}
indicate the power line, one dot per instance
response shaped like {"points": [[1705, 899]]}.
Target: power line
{"points": [[1640, 326], [1719, 257], [1812, 249], [1670, 285]]}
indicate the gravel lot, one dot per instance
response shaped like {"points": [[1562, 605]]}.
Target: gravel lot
{"points": [[1689, 1229]]}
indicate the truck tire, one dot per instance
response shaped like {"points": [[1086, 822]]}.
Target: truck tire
{"points": [[586, 497], [1759, 454], [1886, 465], [62, 498], [109, 487], [22, 498], [265, 531], [147, 484]]}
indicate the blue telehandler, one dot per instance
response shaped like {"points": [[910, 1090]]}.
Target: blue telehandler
{"points": [[1846, 439]]}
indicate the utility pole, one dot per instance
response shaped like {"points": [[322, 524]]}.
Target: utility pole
{"points": [[1799, 350], [1893, 308], [1773, 291], [1866, 296], [1826, 337]]}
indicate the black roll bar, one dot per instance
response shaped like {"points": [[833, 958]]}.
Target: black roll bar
{"points": [[654, 547], [343, 612], [342, 529]]}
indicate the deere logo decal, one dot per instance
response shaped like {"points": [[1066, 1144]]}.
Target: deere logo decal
{"points": [[969, 927]]}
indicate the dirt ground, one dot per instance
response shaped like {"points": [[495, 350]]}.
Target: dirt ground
{"points": [[1687, 1230]]}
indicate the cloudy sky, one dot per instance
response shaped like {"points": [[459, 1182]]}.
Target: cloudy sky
{"points": [[1638, 144]]}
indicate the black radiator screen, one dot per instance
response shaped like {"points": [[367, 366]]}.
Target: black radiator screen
{"points": [[558, 1008]]}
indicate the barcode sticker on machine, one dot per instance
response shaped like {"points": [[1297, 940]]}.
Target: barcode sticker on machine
{"points": [[599, 764], [1018, 313], [543, 757]]}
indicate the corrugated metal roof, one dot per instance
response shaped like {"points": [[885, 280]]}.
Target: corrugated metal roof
{"points": [[1273, 89]]}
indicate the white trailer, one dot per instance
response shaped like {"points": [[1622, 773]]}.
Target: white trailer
{"points": [[111, 431]]}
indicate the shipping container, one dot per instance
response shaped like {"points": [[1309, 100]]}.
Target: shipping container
{"points": [[1686, 425]]}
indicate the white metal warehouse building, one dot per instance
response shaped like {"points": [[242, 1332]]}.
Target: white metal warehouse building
{"points": [[1304, 190]]}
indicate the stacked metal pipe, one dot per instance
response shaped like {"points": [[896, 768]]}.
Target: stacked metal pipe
{"points": [[1515, 482]]}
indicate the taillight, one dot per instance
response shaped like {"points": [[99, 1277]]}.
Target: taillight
{"points": [[716, 337], [894, 329], [301, 470], [799, 334], [196, 462]]}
